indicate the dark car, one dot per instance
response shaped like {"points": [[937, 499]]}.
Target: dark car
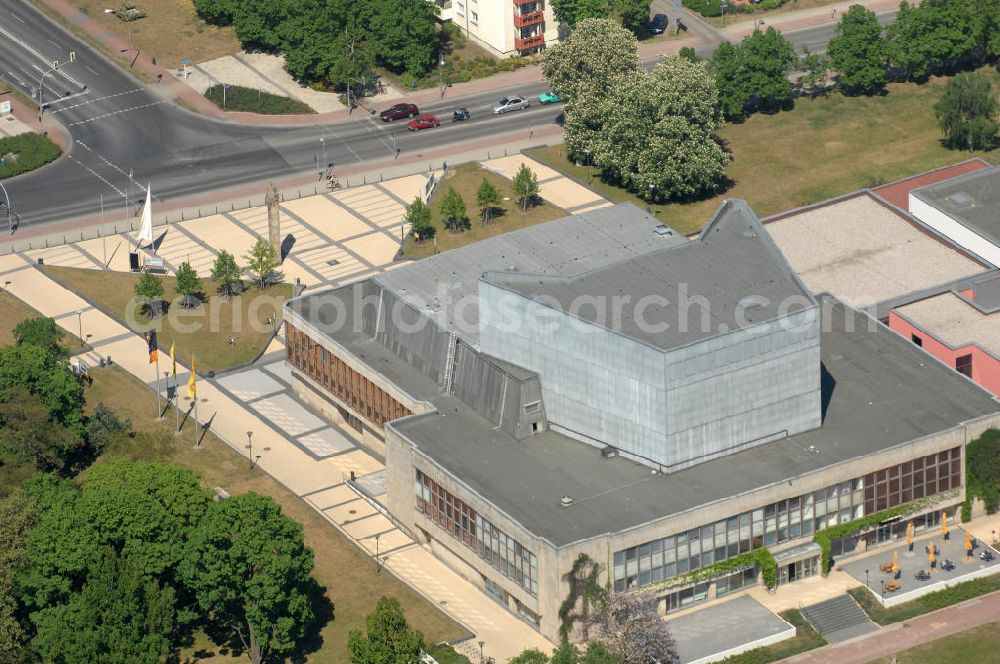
{"points": [[659, 24], [398, 112]]}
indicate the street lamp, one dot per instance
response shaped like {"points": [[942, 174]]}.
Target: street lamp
{"points": [[883, 588], [250, 447], [590, 170], [10, 211], [867, 582], [441, 73], [378, 563], [129, 49], [481, 644], [758, 24], [322, 141], [79, 320]]}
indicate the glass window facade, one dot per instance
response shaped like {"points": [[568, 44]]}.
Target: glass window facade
{"points": [[501, 551], [786, 520]]}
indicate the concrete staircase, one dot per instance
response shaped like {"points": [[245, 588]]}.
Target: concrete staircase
{"points": [[839, 619]]}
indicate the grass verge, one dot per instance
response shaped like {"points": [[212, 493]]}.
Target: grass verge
{"points": [[806, 638], [825, 147], [930, 602], [466, 178], [26, 152], [979, 644], [170, 32], [204, 331], [250, 100], [345, 572]]}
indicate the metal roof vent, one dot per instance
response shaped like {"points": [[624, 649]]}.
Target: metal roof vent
{"points": [[566, 501], [609, 452]]}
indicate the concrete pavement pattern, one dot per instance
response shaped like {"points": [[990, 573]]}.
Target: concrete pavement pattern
{"points": [[554, 187]]}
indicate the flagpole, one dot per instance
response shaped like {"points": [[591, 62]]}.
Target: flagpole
{"points": [[196, 422], [177, 410]]}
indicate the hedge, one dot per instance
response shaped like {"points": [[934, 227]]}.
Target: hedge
{"points": [[251, 100], [25, 152], [959, 592]]}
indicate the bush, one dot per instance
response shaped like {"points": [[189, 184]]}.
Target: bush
{"points": [[445, 654], [707, 8], [25, 152], [249, 100]]}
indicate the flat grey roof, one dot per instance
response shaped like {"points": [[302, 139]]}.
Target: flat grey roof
{"points": [[972, 199], [571, 245], [733, 267], [879, 391], [719, 628]]}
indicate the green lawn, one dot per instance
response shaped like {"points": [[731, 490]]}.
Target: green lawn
{"points": [[13, 311], [25, 152], [466, 178], [215, 322], [806, 638], [347, 574], [823, 148], [974, 646], [930, 602], [250, 100]]}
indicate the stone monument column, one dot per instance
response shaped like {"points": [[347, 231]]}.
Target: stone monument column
{"points": [[272, 198]]}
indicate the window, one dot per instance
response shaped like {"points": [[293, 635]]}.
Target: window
{"points": [[474, 17], [963, 365], [914, 338]]}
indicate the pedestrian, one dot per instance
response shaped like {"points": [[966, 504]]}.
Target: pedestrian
{"points": [[833, 14]]}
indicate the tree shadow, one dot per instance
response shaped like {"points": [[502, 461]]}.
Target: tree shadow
{"points": [[324, 611]]}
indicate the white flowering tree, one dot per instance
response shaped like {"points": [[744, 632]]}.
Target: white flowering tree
{"points": [[652, 132], [632, 630], [596, 52]]}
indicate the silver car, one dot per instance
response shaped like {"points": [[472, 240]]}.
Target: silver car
{"points": [[515, 103]]}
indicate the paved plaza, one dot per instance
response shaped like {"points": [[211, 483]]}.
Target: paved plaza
{"points": [[725, 629], [554, 187], [866, 571]]}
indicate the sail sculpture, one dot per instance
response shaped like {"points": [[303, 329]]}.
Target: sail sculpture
{"points": [[146, 227]]}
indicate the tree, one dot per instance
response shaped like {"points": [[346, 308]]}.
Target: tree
{"points": [[453, 210], [120, 616], [653, 132], [187, 284], [597, 653], [403, 33], [262, 261], [689, 54], [418, 216], [928, 37], [18, 515], [226, 273], [526, 187], [388, 638], [149, 293], [753, 76], [104, 427], [967, 112], [41, 332], [858, 52], [34, 369], [982, 469], [247, 566], [633, 631], [598, 51], [28, 433], [815, 66], [572, 12], [633, 14], [530, 656], [487, 200]]}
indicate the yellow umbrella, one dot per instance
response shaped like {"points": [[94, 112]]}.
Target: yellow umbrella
{"points": [[930, 555], [895, 564], [944, 524], [968, 542], [909, 533]]}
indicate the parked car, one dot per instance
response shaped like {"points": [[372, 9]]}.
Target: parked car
{"points": [[425, 121], [549, 97], [515, 103], [659, 24], [398, 112]]}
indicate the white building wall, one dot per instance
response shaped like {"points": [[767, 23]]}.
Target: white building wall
{"points": [[957, 232]]}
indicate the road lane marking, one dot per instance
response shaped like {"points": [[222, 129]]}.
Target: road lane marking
{"points": [[98, 176], [17, 17], [91, 101], [101, 157], [124, 110], [38, 55]]}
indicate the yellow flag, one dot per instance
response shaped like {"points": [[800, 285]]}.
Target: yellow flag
{"points": [[173, 361], [192, 385]]}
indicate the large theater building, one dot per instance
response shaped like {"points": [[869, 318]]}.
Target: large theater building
{"points": [[598, 386]]}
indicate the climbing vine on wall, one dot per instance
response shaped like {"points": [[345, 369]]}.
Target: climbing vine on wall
{"points": [[584, 589]]}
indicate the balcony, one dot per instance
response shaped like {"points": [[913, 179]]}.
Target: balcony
{"points": [[526, 43], [527, 6], [528, 19]]}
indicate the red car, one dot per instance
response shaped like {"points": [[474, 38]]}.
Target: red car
{"points": [[425, 121], [398, 112]]}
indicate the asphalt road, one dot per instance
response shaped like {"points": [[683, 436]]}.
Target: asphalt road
{"points": [[126, 135]]}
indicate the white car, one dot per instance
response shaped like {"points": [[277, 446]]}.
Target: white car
{"points": [[515, 103]]}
